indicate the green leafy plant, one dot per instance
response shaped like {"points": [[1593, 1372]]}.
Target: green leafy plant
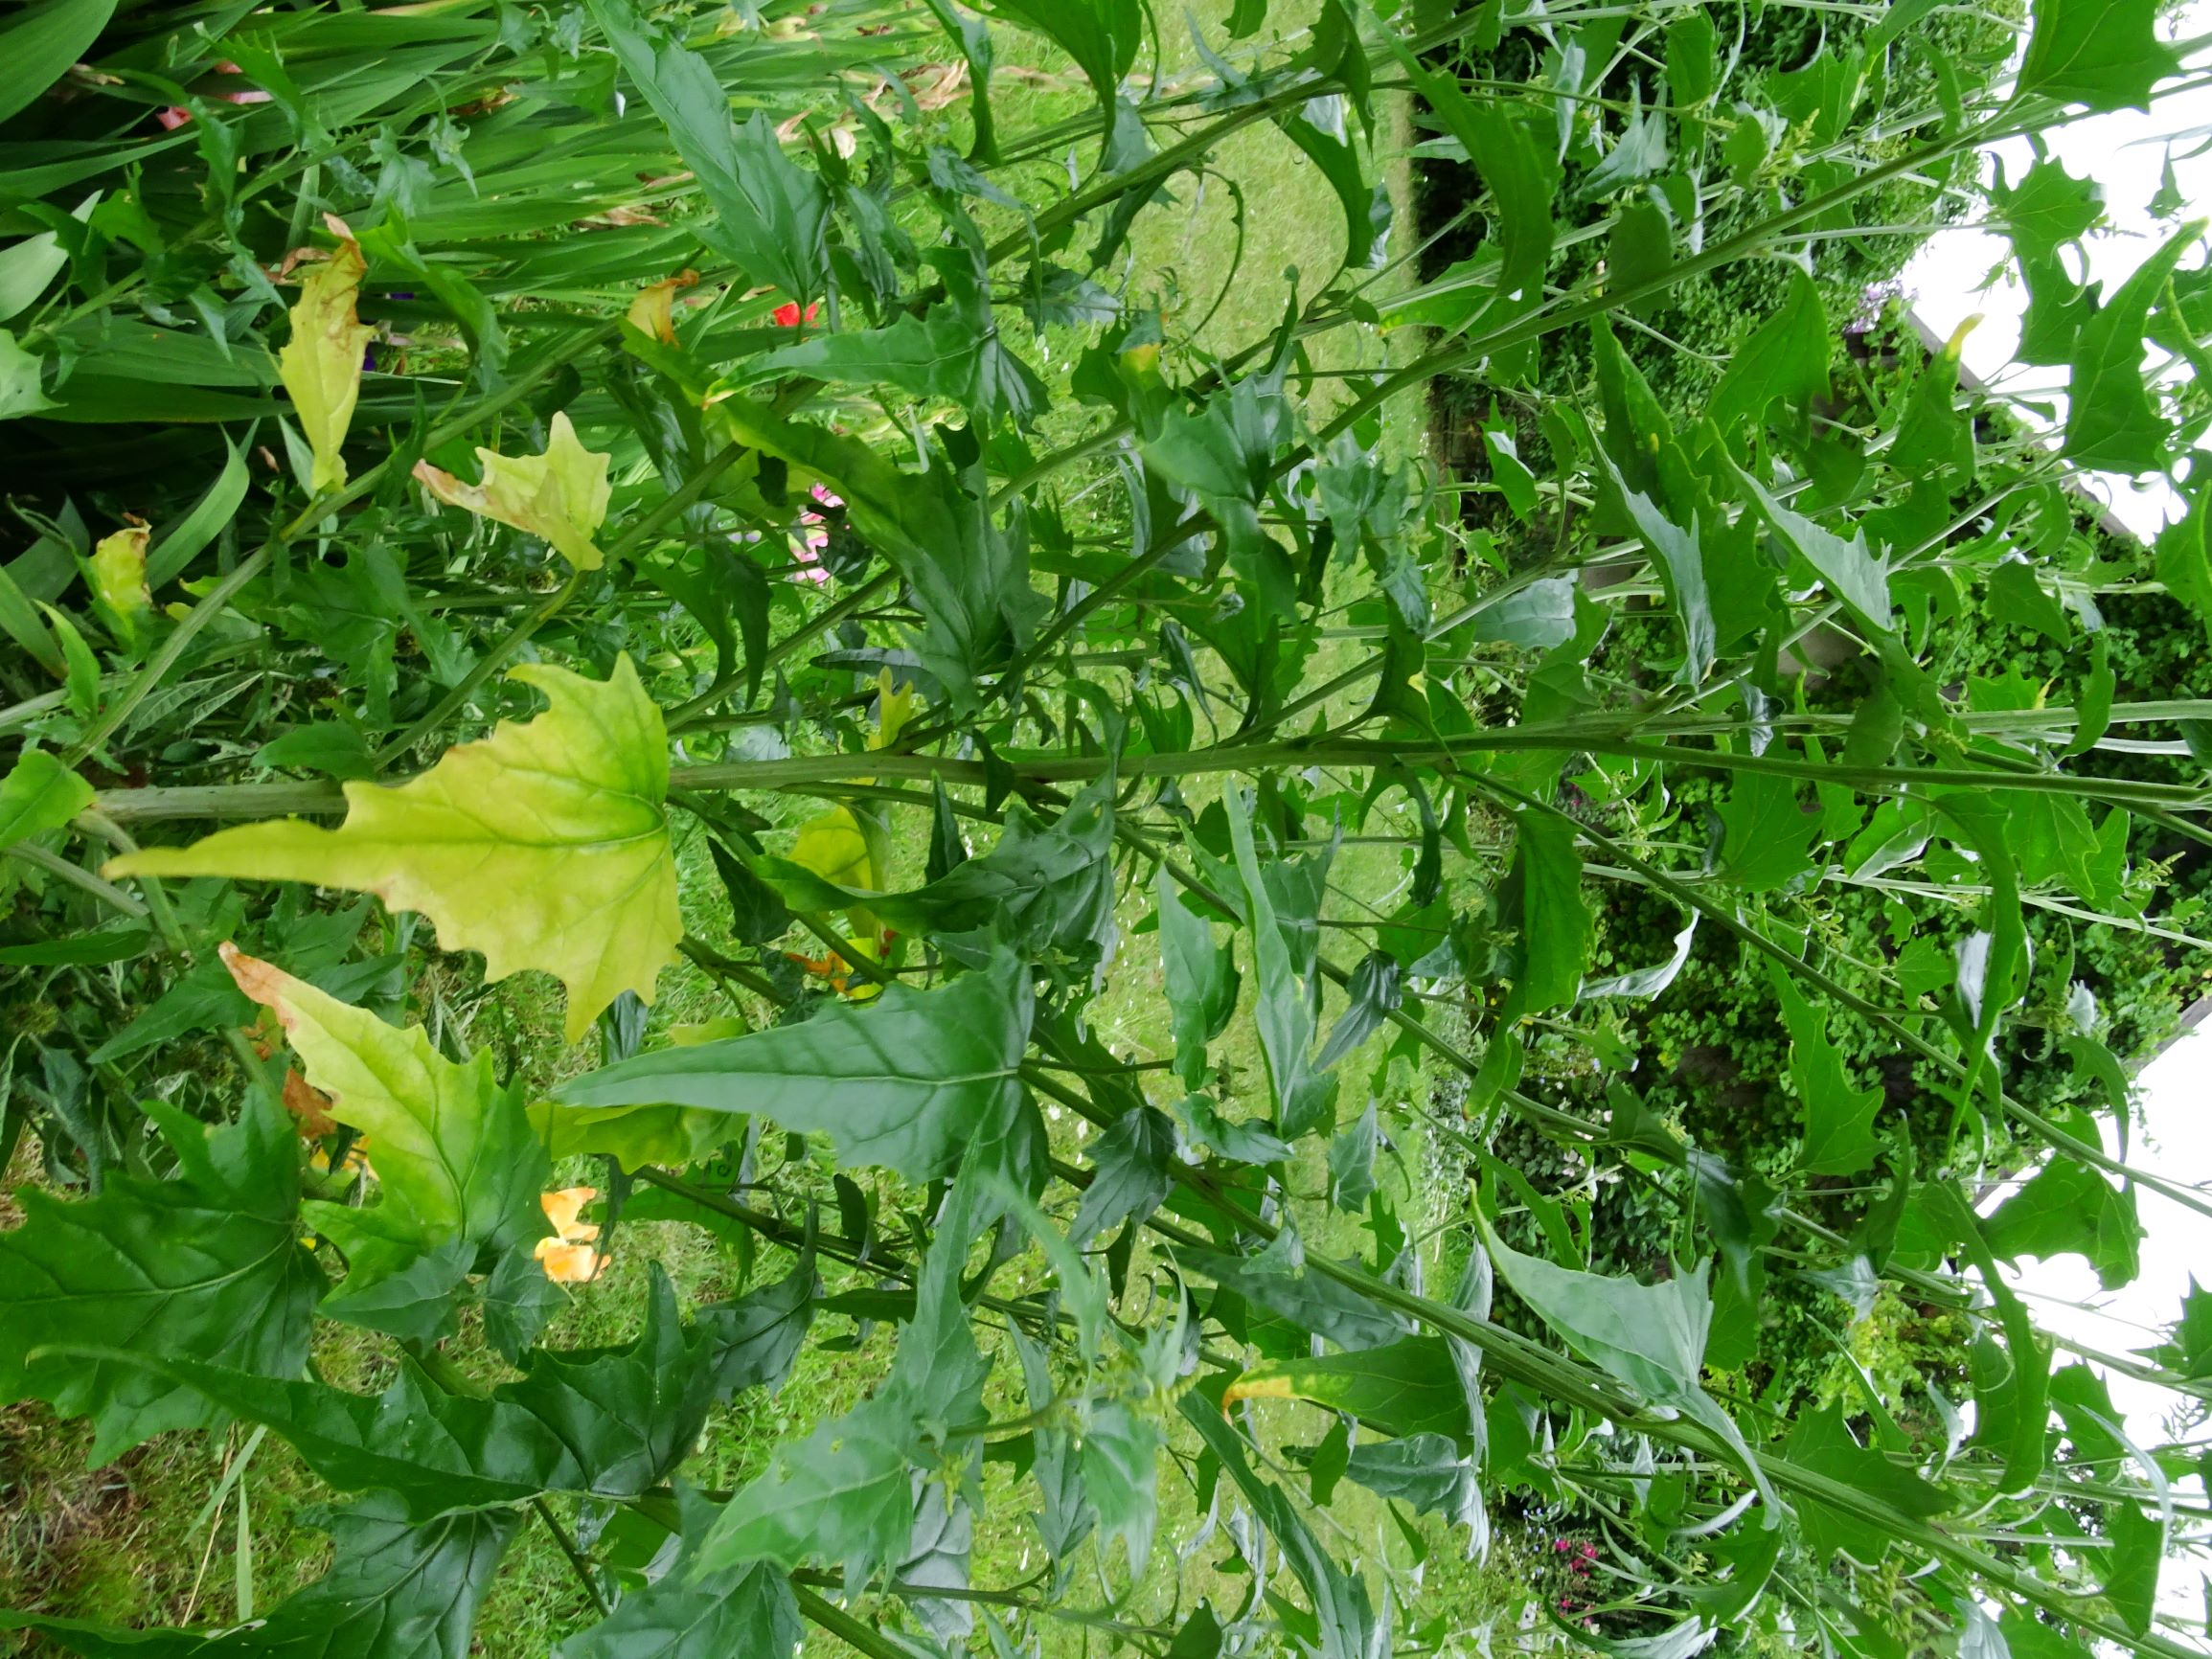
{"points": [[832, 492]]}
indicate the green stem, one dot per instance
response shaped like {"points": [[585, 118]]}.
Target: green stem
{"points": [[494, 659], [803, 772], [54, 864], [844, 1626], [576, 1559]]}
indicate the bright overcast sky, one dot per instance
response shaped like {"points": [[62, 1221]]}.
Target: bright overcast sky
{"points": [[2125, 153]]}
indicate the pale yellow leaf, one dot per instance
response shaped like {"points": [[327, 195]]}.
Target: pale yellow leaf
{"points": [[449, 1140], [543, 846], [321, 364], [117, 569], [560, 496], [652, 311]]}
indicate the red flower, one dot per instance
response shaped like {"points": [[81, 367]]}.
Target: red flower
{"points": [[786, 314]]}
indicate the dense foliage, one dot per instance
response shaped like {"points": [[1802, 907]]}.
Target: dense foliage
{"points": [[688, 507]]}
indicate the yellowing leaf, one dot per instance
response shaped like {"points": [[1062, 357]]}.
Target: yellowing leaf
{"points": [[652, 313], [560, 496], [836, 848], [833, 846], [544, 846], [633, 1136], [894, 709], [321, 364], [117, 571], [451, 1146]]}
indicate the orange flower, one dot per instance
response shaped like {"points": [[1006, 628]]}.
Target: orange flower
{"points": [[569, 1263], [571, 1258]]}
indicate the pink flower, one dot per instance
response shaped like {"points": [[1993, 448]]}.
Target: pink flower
{"points": [[172, 117], [808, 552]]}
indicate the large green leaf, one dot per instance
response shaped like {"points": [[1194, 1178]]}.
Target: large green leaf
{"points": [[1406, 1387], [1991, 962], [38, 794], [2068, 1208], [1555, 924], [2012, 1383], [207, 1265], [1225, 450], [1651, 1337], [543, 846], [1766, 833], [904, 1081], [1823, 1442], [1838, 1117], [2048, 208], [952, 350], [1276, 1279], [756, 1338], [1044, 888], [1681, 562], [1319, 129], [1785, 359], [1304, 1099], [1132, 1166], [2105, 53], [768, 214], [1523, 174], [1101, 35], [847, 1491], [1121, 1459], [395, 1590], [41, 42], [1201, 979], [1347, 1625], [2113, 425], [1426, 1470], [686, 1614], [1853, 572], [970, 574], [614, 1421], [432, 1450], [458, 1164]]}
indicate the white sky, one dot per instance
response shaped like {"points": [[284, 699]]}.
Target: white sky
{"points": [[2125, 153]]}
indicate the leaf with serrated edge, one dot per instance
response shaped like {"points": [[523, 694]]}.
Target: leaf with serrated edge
{"points": [[560, 496], [544, 845], [444, 1136], [208, 1265], [393, 1591]]}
